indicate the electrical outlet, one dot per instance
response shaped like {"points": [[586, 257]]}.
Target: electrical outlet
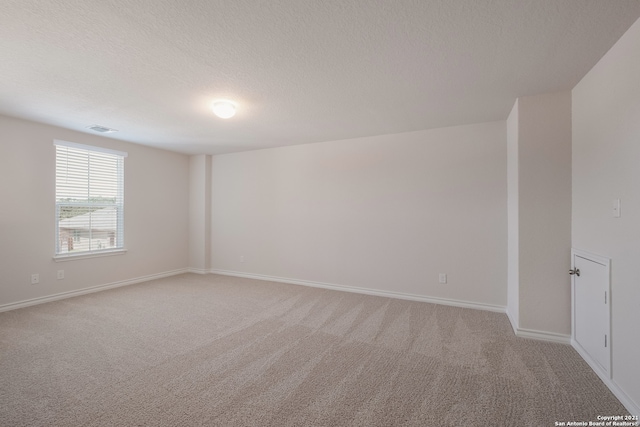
{"points": [[35, 278], [241, 258], [442, 278], [60, 274]]}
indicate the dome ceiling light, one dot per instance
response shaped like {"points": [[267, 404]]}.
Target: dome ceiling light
{"points": [[224, 109]]}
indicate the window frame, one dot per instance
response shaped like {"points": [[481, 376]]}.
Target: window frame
{"points": [[119, 206]]}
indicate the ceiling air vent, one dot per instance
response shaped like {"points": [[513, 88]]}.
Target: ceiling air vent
{"points": [[101, 129]]}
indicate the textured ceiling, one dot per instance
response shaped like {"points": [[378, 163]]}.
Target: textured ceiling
{"points": [[300, 70]]}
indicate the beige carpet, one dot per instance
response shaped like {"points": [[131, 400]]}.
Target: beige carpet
{"points": [[211, 350]]}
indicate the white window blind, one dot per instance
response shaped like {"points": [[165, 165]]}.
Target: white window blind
{"points": [[89, 199]]}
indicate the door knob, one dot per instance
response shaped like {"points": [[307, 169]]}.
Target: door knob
{"points": [[575, 271]]}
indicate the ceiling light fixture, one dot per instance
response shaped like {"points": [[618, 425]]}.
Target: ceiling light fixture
{"points": [[101, 129], [224, 109]]}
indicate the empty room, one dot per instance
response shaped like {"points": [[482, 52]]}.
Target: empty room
{"points": [[319, 213]]}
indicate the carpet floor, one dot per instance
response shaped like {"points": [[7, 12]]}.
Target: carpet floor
{"points": [[211, 350]]}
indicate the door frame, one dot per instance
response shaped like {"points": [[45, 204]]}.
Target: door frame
{"points": [[607, 374]]}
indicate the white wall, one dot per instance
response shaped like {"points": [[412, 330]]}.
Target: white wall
{"points": [[513, 233], [200, 213], [544, 213], [386, 213], [606, 166], [156, 213]]}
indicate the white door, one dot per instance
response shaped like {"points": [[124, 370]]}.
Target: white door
{"points": [[591, 308]]}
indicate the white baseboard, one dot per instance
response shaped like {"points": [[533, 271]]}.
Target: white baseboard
{"points": [[91, 289], [513, 321], [536, 335], [543, 336], [632, 407], [367, 291], [197, 270]]}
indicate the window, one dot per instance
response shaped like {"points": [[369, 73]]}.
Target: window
{"points": [[89, 200]]}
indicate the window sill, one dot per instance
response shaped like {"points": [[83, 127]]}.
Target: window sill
{"points": [[62, 258]]}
